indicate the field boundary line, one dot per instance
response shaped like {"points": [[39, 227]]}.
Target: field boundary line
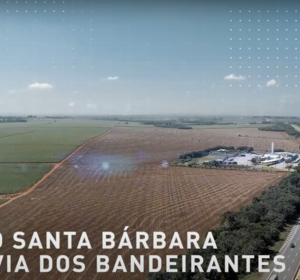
{"points": [[58, 164], [10, 135]]}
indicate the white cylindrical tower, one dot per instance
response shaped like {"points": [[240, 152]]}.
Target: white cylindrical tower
{"points": [[272, 148]]}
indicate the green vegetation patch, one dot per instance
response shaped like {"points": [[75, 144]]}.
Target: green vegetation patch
{"points": [[48, 142], [2, 201], [18, 177], [28, 150], [283, 236], [168, 124], [207, 158]]}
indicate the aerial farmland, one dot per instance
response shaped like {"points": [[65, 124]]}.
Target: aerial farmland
{"points": [[121, 176], [149, 140]]}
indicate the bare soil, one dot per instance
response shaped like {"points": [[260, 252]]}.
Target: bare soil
{"points": [[117, 180]]}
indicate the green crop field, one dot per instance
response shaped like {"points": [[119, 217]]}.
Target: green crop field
{"points": [[28, 150], [2, 201], [16, 177]]}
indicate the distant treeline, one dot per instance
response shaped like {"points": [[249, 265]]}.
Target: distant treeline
{"points": [[56, 117], [280, 117], [184, 124], [287, 128], [204, 121], [209, 123], [251, 231], [11, 119], [167, 124], [203, 153], [200, 120]]}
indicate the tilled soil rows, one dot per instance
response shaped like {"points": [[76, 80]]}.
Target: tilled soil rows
{"points": [[118, 180]]}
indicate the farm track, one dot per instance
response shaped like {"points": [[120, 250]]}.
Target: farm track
{"points": [[116, 180]]}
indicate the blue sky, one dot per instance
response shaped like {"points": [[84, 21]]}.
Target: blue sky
{"points": [[149, 57]]}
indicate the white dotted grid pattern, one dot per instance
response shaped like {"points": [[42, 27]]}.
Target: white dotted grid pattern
{"points": [[34, 11], [269, 44]]}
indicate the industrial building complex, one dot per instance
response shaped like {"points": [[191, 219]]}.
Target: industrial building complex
{"points": [[222, 157]]}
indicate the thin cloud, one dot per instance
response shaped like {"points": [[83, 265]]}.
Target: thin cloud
{"points": [[40, 86], [91, 105], [112, 78], [71, 104], [233, 77], [12, 92], [271, 83]]}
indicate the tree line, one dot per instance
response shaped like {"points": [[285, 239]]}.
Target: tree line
{"points": [[203, 153], [11, 119], [287, 128], [167, 124]]}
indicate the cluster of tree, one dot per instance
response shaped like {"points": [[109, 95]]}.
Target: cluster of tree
{"points": [[213, 163], [184, 127], [185, 122], [282, 117], [255, 160], [251, 231], [207, 122], [11, 119], [232, 163], [173, 125], [212, 123], [287, 128], [203, 153], [167, 124], [246, 149], [57, 117], [196, 120], [218, 163], [203, 123]]}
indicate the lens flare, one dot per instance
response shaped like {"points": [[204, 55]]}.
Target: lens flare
{"points": [[164, 164], [105, 165]]}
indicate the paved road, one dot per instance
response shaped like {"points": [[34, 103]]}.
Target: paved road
{"points": [[291, 258], [292, 255], [296, 127]]}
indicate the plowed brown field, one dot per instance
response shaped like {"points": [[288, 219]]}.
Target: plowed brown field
{"points": [[117, 180]]}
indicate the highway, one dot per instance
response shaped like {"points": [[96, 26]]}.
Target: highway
{"points": [[291, 255], [291, 258], [296, 127]]}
